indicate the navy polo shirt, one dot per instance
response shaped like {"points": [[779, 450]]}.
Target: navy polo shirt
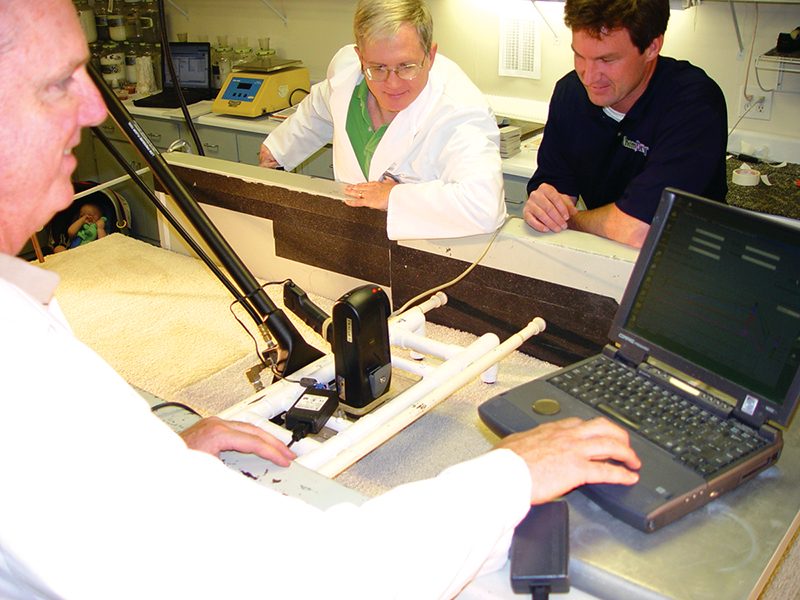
{"points": [[674, 135]]}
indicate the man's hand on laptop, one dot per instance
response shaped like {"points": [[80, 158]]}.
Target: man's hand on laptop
{"points": [[569, 453]]}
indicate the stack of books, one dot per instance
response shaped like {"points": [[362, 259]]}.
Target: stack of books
{"points": [[509, 141]]}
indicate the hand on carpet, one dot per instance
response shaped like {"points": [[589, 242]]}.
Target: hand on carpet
{"points": [[214, 435]]}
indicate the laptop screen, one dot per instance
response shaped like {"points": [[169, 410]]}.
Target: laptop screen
{"points": [[718, 297], [192, 61]]}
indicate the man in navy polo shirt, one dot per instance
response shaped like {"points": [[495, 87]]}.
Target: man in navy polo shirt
{"points": [[625, 124]]}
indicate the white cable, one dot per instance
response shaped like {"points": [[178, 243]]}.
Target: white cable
{"points": [[444, 286], [749, 59]]}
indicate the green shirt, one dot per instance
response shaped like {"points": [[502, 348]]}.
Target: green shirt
{"points": [[359, 128]]}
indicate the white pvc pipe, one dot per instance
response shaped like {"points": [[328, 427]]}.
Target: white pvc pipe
{"points": [[412, 366], [107, 184], [437, 300], [414, 318], [372, 421], [403, 338], [282, 394], [338, 424], [366, 444]]}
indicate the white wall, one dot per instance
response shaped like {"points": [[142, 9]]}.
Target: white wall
{"points": [[467, 32]]}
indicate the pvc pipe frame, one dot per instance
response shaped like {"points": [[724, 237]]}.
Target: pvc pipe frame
{"points": [[279, 397], [346, 457], [354, 440], [369, 423]]}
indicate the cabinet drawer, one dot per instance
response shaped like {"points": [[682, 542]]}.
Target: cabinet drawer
{"points": [[161, 133], [217, 143], [249, 146]]}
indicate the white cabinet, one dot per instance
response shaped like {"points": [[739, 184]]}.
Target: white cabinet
{"points": [[216, 143], [161, 133], [319, 164], [249, 146]]}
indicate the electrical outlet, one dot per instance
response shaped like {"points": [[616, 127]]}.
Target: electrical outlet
{"points": [[760, 110]]}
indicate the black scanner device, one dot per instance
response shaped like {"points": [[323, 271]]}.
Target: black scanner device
{"points": [[358, 331], [360, 345]]}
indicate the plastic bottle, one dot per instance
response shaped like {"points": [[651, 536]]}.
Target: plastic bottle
{"points": [[112, 65], [87, 20], [116, 23], [101, 21]]}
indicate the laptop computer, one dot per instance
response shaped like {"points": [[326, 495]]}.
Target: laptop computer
{"points": [[707, 336], [192, 61]]}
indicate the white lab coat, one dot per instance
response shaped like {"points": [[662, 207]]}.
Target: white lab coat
{"points": [[446, 143], [101, 500]]}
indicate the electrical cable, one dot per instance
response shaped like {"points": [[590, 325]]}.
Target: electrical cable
{"points": [[242, 300], [452, 282], [175, 82], [175, 404], [306, 92], [747, 77], [744, 114]]}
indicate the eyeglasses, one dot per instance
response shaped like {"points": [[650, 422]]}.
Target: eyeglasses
{"points": [[404, 72]]}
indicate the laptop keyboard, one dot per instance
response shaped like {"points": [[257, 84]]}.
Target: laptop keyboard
{"points": [[696, 437]]}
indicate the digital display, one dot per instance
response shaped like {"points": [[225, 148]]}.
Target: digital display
{"points": [[726, 297]]}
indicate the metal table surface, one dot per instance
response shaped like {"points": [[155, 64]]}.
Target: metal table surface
{"points": [[724, 551]]}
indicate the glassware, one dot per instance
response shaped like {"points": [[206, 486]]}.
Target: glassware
{"points": [[221, 62], [112, 65], [101, 21], [86, 17], [116, 24], [151, 23], [131, 54], [133, 22]]}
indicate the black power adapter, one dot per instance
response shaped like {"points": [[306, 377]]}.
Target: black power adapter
{"points": [[310, 413], [540, 551]]}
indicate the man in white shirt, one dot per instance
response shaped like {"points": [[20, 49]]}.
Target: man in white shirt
{"points": [[101, 500], [410, 132]]}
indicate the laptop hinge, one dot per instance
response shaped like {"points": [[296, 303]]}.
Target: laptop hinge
{"points": [[768, 431], [629, 354], [756, 422]]}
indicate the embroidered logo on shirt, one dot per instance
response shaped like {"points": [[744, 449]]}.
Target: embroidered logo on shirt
{"points": [[635, 146]]}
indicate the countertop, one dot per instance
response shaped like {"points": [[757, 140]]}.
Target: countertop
{"points": [[781, 197]]}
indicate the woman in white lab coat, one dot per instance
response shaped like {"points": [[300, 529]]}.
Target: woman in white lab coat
{"points": [[436, 169]]}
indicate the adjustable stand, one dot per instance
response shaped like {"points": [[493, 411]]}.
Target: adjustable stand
{"points": [[285, 346]]}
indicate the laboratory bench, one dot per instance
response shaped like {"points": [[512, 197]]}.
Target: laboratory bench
{"points": [[726, 551], [777, 192]]}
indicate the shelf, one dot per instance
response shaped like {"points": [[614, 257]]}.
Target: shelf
{"points": [[782, 62]]}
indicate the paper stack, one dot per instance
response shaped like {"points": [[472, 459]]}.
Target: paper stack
{"points": [[509, 141]]}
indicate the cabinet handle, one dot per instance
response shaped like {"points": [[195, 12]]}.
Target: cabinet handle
{"points": [[154, 136], [108, 128], [211, 146]]}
